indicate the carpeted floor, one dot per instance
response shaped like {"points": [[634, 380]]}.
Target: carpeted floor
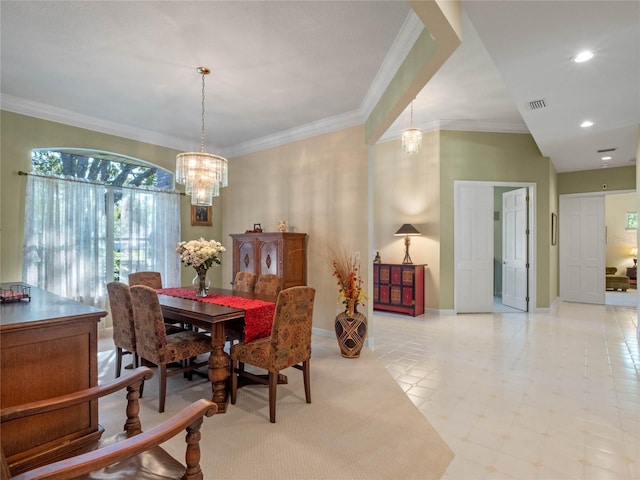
{"points": [[360, 424]]}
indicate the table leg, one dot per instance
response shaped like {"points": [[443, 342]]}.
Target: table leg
{"points": [[219, 368]]}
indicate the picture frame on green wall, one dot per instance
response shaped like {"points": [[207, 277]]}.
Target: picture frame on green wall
{"points": [[554, 229]]}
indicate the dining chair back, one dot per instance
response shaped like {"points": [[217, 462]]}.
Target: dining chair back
{"points": [[289, 345], [245, 281], [154, 280], [269, 284], [153, 343], [124, 335], [150, 279]]}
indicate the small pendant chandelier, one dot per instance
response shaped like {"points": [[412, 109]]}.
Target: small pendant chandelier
{"points": [[202, 174], [411, 137]]}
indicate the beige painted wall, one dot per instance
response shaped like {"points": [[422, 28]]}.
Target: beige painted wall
{"points": [[318, 186], [20, 134], [407, 190]]}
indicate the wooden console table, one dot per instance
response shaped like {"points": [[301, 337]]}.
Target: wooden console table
{"points": [[398, 288], [49, 348]]}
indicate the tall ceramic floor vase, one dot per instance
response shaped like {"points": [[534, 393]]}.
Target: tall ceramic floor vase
{"points": [[351, 331]]}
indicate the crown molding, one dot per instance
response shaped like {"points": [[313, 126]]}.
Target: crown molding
{"points": [[462, 126], [402, 45], [404, 41], [67, 117], [326, 125]]}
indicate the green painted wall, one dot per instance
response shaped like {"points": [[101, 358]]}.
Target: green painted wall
{"points": [[20, 134], [494, 157], [620, 178]]}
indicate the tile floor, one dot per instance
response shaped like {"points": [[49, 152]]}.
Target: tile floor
{"points": [[524, 396]]}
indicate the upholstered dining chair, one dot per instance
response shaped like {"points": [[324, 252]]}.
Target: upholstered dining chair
{"points": [[288, 346], [153, 343], [154, 280], [269, 284], [124, 334], [150, 279], [245, 281]]}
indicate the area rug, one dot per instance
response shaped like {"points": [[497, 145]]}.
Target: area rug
{"points": [[360, 424]]}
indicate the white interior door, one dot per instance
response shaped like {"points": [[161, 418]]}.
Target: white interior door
{"points": [[473, 248], [582, 246], [515, 249]]}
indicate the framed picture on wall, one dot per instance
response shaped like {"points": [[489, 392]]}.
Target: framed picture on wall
{"points": [[201, 216], [554, 229]]}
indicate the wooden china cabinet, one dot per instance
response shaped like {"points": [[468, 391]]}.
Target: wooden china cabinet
{"points": [[280, 253], [398, 288]]}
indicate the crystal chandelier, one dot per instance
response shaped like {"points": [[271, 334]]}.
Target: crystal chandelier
{"points": [[411, 137], [202, 174]]}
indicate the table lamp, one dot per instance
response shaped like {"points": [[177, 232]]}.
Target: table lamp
{"points": [[407, 230], [634, 254]]}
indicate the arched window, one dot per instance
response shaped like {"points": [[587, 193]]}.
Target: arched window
{"points": [[93, 217], [100, 167]]}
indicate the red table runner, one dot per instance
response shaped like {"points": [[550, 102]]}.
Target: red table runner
{"points": [[258, 315]]}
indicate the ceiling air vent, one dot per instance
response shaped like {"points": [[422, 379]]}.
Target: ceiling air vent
{"points": [[537, 104], [607, 150]]}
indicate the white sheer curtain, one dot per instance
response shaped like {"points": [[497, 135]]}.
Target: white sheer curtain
{"points": [[64, 238], [149, 234], [73, 234]]}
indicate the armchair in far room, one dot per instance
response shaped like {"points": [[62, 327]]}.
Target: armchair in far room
{"points": [[616, 282]]}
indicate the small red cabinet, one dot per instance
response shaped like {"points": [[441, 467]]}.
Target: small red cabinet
{"points": [[398, 288]]}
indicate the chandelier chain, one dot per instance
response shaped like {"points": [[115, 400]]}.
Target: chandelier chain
{"points": [[202, 132], [411, 118]]}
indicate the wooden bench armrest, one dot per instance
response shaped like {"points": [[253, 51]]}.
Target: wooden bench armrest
{"points": [[75, 398], [190, 419]]}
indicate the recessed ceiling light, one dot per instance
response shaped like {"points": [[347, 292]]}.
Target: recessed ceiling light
{"points": [[606, 158], [586, 124], [583, 57]]}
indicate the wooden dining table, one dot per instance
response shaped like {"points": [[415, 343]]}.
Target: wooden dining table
{"points": [[213, 318]]}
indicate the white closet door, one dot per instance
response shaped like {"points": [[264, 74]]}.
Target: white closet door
{"points": [[581, 234], [473, 248]]}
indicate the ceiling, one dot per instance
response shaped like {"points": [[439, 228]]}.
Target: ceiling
{"points": [[285, 70]]}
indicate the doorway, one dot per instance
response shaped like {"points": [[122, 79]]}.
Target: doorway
{"points": [[475, 261], [595, 235], [510, 238]]}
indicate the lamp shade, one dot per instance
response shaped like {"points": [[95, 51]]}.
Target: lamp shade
{"points": [[634, 251], [407, 229]]}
